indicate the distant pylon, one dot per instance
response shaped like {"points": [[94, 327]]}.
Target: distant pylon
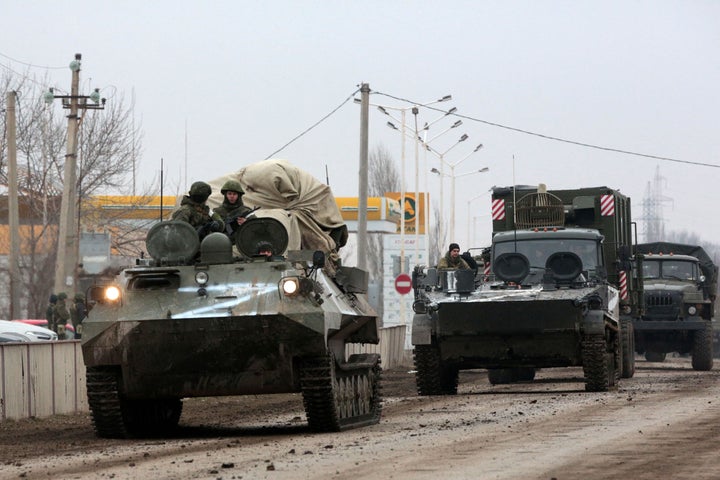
{"points": [[652, 218]]}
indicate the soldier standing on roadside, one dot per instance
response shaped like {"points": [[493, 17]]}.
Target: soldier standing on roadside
{"points": [[50, 312], [78, 312], [62, 314]]}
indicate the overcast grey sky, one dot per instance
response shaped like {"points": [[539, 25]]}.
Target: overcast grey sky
{"points": [[247, 77]]}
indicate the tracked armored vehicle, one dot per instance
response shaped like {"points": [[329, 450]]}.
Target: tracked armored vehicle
{"points": [[562, 293], [680, 285], [202, 319]]}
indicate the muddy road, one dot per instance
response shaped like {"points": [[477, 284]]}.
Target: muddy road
{"points": [[663, 423]]}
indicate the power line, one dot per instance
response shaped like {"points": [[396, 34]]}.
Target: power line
{"points": [[557, 139], [314, 125], [30, 64]]}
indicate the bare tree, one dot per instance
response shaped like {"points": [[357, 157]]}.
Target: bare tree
{"points": [[383, 177], [108, 145], [437, 237]]}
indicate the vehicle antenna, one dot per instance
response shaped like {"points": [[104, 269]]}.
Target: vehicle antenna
{"points": [[161, 188]]}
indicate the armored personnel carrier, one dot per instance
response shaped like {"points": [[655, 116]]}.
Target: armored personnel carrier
{"points": [[562, 293], [201, 319], [680, 285]]}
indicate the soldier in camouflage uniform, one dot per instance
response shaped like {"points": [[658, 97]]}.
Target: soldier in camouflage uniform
{"points": [[452, 259], [232, 210], [194, 211], [62, 314], [50, 312], [78, 312]]}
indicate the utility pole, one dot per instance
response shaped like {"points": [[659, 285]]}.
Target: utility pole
{"points": [[68, 251], [13, 213], [363, 177]]}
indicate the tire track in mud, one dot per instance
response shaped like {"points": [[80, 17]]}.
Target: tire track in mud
{"points": [[661, 424]]}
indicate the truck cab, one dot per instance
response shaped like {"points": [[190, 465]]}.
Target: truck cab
{"points": [[680, 282]]}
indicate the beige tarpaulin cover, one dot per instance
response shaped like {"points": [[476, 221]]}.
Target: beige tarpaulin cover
{"points": [[277, 184]]}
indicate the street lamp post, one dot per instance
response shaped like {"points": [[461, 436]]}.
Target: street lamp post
{"points": [[415, 109], [443, 162], [426, 144], [452, 190]]}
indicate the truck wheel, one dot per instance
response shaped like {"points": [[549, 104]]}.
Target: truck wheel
{"points": [[601, 362], [655, 357], [433, 376], [628, 348], [702, 350]]}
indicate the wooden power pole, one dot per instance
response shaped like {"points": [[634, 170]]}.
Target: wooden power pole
{"points": [[68, 238], [13, 210]]}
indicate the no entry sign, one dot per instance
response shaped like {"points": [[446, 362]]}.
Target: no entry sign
{"points": [[403, 283]]}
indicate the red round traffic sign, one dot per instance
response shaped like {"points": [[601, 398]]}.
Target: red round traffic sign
{"points": [[403, 283]]}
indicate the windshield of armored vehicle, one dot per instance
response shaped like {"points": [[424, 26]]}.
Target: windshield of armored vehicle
{"points": [[538, 251], [673, 269]]}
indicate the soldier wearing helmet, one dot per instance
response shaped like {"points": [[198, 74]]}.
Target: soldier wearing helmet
{"points": [[194, 211], [232, 210]]}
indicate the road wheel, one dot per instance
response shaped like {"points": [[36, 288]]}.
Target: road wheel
{"points": [[702, 350], [339, 397]]}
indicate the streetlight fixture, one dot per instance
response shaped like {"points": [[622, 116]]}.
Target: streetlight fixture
{"points": [[452, 188], [422, 140], [417, 139], [443, 162]]}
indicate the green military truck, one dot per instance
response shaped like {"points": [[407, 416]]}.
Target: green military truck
{"points": [[680, 285], [561, 293]]}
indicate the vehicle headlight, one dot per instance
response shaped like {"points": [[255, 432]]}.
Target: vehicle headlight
{"points": [[290, 286], [692, 310], [201, 278], [112, 293]]}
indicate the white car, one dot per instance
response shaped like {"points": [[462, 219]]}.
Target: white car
{"points": [[23, 332]]}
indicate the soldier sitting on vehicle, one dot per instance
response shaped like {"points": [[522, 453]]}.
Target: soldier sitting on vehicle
{"points": [[232, 210], [194, 211], [452, 259]]}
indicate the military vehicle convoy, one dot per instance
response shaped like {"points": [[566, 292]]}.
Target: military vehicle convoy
{"points": [[680, 285], [201, 319], [562, 293]]}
